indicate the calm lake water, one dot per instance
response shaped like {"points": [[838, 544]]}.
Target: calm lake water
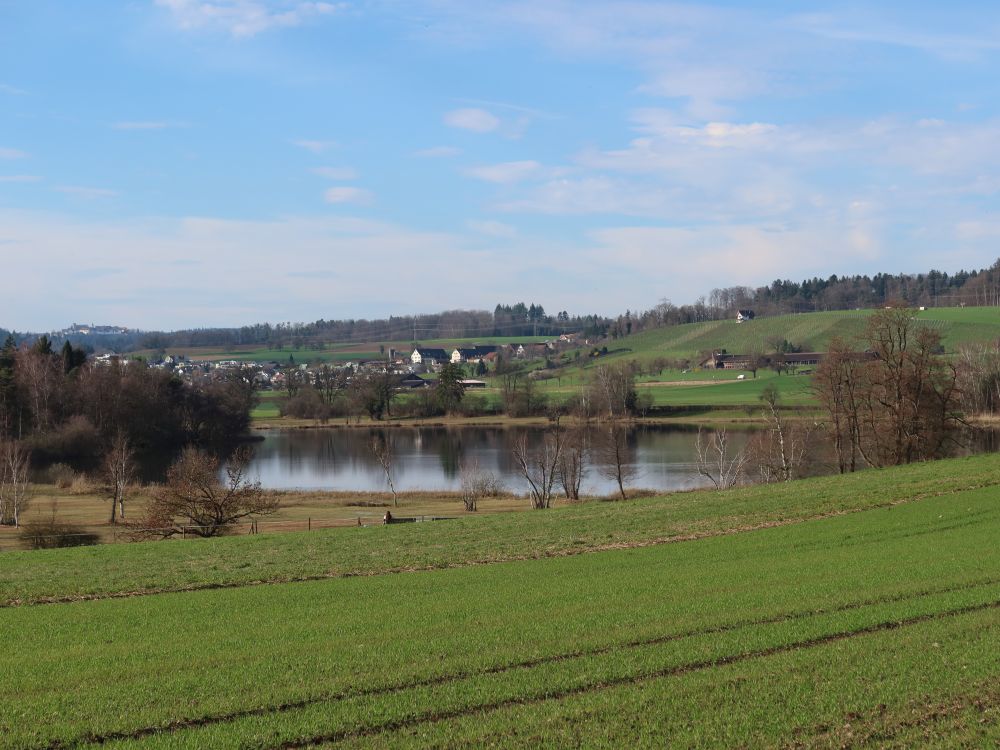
{"points": [[429, 458]]}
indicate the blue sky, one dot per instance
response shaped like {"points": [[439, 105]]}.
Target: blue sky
{"points": [[176, 163]]}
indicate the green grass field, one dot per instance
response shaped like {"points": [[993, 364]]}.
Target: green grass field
{"points": [[802, 625], [810, 331]]}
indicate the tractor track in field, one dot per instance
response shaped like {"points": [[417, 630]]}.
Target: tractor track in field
{"points": [[219, 719], [692, 536], [433, 718]]}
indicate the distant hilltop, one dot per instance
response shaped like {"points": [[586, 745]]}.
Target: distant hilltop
{"points": [[78, 329]]}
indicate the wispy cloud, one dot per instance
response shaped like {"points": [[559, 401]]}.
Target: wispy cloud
{"points": [[437, 152], [870, 29], [336, 173], [473, 119], [347, 194], [88, 193], [314, 146], [505, 172], [246, 18], [12, 153], [492, 228], [19, 178], [6, 88]]}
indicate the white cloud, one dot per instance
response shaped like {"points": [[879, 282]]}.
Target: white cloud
{"points": [[492, 228], [336, 173], [89, 193], [347, 194], [313, 146], [437, 152], [472, 118], [6, 88], [701, 258], [20, 178], [200, 271], [12, 153], [576, 196], [246, 18], [506, 172]]}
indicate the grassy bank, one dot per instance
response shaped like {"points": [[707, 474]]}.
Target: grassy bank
{"points": [[154, 566], [878, 627]]}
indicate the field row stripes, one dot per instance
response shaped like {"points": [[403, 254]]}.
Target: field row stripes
{"points": [[438, 680], [432, 718]]}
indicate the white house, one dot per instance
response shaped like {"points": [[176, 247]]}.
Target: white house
{"points": [[423, 356]]}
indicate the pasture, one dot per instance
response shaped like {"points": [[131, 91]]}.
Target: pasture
{"points": [[808, 331], [838, 611]]}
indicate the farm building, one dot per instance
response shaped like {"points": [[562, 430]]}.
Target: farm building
{"points": [[423, 356], [472, 354]]}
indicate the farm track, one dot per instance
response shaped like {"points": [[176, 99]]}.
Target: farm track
{"points": [[680, 669], [573, 552], [457, 677]]}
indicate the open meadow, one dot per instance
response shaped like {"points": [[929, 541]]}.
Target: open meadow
{"points": [[841, 611]]}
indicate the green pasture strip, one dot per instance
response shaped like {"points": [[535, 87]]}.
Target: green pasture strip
{"points": [[339, 659], [109, 570], [792, 391]]}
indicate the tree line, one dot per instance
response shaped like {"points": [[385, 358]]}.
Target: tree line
{"points": [[506, 320], [784, 296], [61, 405]]}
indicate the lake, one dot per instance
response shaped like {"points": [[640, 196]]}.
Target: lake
{"points": [[430, 458]]}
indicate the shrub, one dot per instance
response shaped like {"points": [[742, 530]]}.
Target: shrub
{"points": [[81, 485], [75, 438], [52, 534], [61, 475], [308, 403]]}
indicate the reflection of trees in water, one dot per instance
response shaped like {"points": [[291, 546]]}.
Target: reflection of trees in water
{"points": [[451, 451], [431, 457]]}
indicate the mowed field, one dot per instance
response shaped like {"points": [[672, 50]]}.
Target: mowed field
{"points": [[836, 612]]}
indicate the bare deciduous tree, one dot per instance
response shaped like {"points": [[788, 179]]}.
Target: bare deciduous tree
{"points": [[119, 472], [717, 463], [381, 447], [780, 450], [539, 466], [573, 463], [614, 460], [613, 388], [979, 377], [194, 498], [477, 485], [15, 463], [898, 402]]}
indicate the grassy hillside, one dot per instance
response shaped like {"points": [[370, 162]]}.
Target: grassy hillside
{"points": [[878, 627], [810, 331]]}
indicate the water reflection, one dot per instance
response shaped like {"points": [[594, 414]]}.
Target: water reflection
{"points": [[430, 458]]}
